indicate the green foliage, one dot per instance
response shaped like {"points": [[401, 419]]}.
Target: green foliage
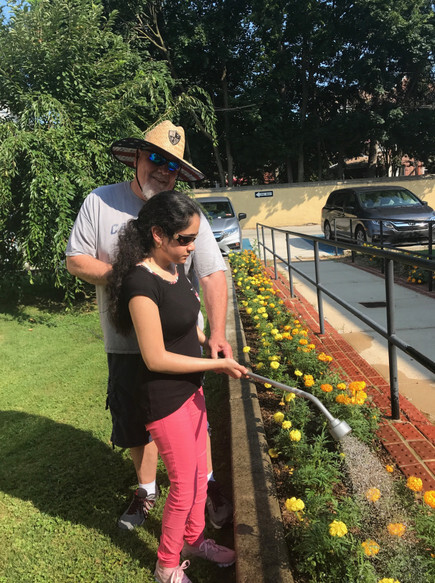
{"points": [[71, 86], [330, 516]]}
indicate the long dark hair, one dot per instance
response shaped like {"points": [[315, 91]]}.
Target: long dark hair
{"points": [[169, 210]]}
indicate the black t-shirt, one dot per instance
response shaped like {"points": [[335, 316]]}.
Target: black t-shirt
{"points": [[160, 394]]}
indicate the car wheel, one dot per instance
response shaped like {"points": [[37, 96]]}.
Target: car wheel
{"points": [[327, 230], [360, 236]]}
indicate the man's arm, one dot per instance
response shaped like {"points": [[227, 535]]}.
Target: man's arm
{"points": [[88, 268], [215, 298]]}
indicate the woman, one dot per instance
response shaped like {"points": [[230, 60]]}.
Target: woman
{"points": [[148, 290]]}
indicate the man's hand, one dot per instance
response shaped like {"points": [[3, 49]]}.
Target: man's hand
{"points": [[217, 345], [215, 298]]}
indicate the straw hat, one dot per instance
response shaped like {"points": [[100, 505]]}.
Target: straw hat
{"points": [[166, 139]]}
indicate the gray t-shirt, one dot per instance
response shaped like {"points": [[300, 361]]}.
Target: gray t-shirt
{"points": [[95, 232]]}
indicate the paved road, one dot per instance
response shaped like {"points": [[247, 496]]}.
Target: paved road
{"points": [[414, 314]]}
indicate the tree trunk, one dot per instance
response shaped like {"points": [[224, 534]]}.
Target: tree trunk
{"points": [[289, 170], [230, 167], [373, 158]]}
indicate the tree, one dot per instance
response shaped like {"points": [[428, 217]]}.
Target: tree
{"points": [[71, 86]]}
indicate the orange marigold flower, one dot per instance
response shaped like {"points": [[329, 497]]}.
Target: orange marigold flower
{"points": [[326, 388], [429, 498], [343, 399], [390, 469], [414, 484], [373, 494], [396, 529], [341, 386], [370, 547]]}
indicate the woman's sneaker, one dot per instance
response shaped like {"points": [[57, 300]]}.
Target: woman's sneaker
{"points": [[171, 574], [208, 549], [137, 512], [219, 508]]}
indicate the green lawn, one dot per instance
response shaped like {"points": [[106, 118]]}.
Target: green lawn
{"points": [[62, 486]]}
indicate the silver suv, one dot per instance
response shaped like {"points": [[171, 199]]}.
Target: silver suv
{"points": [[224, 222]]}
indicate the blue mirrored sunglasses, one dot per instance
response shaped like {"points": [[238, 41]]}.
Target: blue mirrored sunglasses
{"points": [[160, 160]]}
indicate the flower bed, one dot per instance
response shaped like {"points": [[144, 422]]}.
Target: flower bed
{"points": [[347, 517]]}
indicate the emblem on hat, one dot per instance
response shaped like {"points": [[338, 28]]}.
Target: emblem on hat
{"points": [[174, 137]]}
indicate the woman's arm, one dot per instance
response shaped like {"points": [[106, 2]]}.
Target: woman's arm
{"points": [[148, 327]]}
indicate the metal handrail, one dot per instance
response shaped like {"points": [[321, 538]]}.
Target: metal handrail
{"points": [[389, 333]]}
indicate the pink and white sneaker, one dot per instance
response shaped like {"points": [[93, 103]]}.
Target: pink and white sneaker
{"points": [[172, 574], [208, 549]]}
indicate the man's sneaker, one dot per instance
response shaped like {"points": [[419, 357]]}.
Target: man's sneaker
{"points": [[172, 575], [219, 508], [208, 549], [137, 512]]}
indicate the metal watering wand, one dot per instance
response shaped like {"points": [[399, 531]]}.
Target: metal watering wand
{"points": [[338, 429]]}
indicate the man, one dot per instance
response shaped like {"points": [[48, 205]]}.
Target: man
{"points": [[158, 160]]}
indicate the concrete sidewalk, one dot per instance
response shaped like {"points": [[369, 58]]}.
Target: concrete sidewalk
{"points": [[414, 314]]}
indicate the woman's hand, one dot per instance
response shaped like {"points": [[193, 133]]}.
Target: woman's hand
{"points": [[230, 367]]}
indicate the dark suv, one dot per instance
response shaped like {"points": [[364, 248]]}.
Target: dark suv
{"points": [[388, 214]]}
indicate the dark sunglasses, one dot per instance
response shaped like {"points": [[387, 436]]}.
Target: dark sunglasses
{"points": [[184, 240], [160, 160]]}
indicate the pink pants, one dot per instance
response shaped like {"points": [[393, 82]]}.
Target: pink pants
{"points": [[181, 441]]}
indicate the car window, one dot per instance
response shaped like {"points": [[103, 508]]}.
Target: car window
{"points": [[218, 210], [388, 198]]}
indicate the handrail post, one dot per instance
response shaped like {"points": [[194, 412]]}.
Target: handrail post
{"points": [[274, 253], [319, 293], [264, 245], [289, 267], [392, 351]]}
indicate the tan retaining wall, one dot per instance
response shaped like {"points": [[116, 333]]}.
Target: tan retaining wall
{"points": [[282, 205]]}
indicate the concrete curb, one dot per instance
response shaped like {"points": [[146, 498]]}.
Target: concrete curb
{"points": [[262, 554]]}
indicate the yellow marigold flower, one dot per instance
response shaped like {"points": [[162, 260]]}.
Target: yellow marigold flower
{"points": [[414, 484], [337, 528], [356, 386], [273, 452], [303, 341], [396, 529], [373, 494], [295, 331], [370, 547], [274, 331], [272, 305], [309, 382], [429, 498], [261, 310], [388, 580], [249, 310], [390, 469], [278, 417], [359, 398], [246, 349], [295, 435], [289, 470], [264, 315], [256, 317], [324, 357], [311, 346], [298, 373], [294, 504], [286, 424], [289, 397], [278, 336], [259, 365], [274, 357], [267, 385], [274, 364], [341, 386], [343, 399], [326, 388]]}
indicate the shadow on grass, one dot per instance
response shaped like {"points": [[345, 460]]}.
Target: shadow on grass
{"points": [[68, 473]]}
